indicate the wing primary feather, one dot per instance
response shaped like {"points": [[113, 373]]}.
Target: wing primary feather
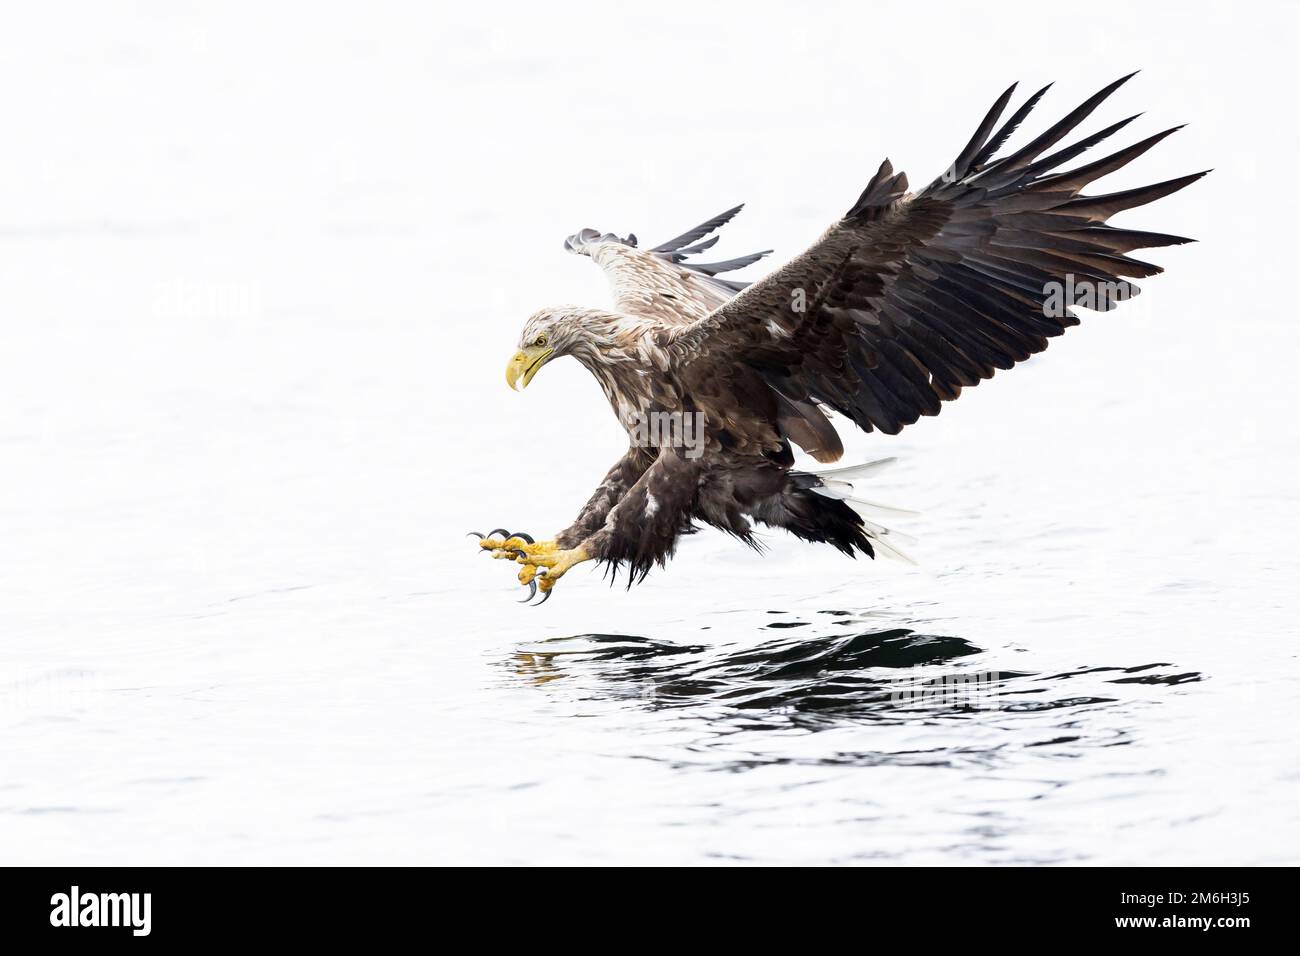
{"points": [[1076, 179], [700, 231], [698, 247], [961, 165], [1009, 127], [1100, 208], [731, 265], [1054, 134], [1126, 240], [1013, 180]]}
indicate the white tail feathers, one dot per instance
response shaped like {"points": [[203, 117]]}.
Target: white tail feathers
{"points": [[887, 550], [880, 530], [849, 472], [838, 483], [882, 539], [843, 491], [880, 506]]}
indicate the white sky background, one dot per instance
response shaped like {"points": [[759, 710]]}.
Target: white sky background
{"points": [[262, 265]]}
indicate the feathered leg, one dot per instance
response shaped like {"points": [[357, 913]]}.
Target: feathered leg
{"points": [[506, 544], [620, 479], [641, 529]]}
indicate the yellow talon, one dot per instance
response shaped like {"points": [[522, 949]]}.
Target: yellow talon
{"points": [[509, 545], [556, 565], [544, 562]]}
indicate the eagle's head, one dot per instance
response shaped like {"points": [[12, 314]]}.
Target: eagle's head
{"points": [[567, 330]]}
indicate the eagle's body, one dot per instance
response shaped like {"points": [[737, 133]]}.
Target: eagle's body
{"points": [[898, 306]]}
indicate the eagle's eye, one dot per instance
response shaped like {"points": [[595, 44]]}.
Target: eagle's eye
{"points": [[541, 339]]}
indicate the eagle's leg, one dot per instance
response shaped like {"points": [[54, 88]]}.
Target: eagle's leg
{"points": [[615, 485], [502, 543], [641, 529]]}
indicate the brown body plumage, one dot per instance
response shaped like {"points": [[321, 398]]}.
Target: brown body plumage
{"points": [[898, 306]]}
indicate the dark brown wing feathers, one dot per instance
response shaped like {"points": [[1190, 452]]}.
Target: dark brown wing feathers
{"points": [[907, 300]]}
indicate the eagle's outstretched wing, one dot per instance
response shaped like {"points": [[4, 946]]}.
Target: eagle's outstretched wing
{"points": [[909, 298], [662, 283]]}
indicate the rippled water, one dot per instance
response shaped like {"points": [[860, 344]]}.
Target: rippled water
{"points": [[254, 401]]}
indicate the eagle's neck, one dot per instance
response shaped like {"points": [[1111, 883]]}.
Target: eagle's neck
{"points": [[622, 353]]}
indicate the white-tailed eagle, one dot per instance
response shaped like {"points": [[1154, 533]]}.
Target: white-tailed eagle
{"points": [[904, 301]]}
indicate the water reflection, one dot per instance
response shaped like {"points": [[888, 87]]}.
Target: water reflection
{"points": [[851, 672], [907, 696]]}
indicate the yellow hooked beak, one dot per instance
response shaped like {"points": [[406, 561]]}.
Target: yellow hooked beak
{"points": [[525, 363]]}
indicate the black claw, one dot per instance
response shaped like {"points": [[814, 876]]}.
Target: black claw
{"points": [[532, 592], [546, 596], [520, 553], [498, 531], [474, 534], [524, 537]]}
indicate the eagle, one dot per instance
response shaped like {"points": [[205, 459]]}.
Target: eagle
{"points": [[903, 302]]}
